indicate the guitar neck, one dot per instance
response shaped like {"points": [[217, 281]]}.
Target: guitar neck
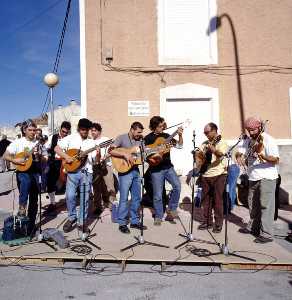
{"points": [[168, 140], [101, 145]]}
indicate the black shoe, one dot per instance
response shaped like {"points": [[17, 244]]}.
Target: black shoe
{"points": [[138, 226], [244, 230], [204, 226], [69, 225], [263, 240], [217, 229], [51, 209], [124, 229]]}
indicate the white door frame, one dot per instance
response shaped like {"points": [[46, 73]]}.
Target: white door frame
{"points": [[191, 91]]}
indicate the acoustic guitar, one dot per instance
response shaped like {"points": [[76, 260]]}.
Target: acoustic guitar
{"points": [[162, 146], [204, 158], [27, 157], [121, 165], [80, 157]]}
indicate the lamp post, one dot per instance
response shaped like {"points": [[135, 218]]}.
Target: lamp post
{"points": [[215, 23], [51, 80]]}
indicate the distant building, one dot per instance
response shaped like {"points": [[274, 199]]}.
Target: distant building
{"points": [[69, 113]]}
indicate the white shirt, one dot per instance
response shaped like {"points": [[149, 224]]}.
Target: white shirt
{"points": [[258, 170], [103, 151], [20, 145], [74, 141]]}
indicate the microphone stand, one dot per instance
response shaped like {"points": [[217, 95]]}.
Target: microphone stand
{"points": [[85, 238], [189, 235], [140, 239], [40, 237], [223, 248]]}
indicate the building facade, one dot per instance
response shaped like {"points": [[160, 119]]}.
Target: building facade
{"points": [[204, 60]]}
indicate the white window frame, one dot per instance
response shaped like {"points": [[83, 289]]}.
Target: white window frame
{"points": [[213, 48]]}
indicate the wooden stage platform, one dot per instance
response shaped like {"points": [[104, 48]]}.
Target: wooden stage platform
{"points": [[275, 255]]}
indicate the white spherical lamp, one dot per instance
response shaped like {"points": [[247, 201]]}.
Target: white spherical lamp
{"points": [[51, 80]]}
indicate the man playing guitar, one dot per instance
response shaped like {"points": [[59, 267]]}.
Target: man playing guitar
{"points": [[81, 178], [27, 181], [260, 155], [55, 163], [213, 177], [131, 180], [163, 171]]}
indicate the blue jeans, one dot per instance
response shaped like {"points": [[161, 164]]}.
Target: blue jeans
{"points": [[83, 180], [232, 182], [158, 180], [129, 182], [28, 189]]}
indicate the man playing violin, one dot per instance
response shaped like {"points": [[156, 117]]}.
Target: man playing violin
{"points": [[213, 178], [81, 178], [164, 171], [260, 155], [27, 181]]}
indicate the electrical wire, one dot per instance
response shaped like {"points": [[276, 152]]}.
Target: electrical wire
{"points": [[28, 22], [59, 54]]}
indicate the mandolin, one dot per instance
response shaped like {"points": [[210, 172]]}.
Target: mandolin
{"points": [[28, 159], [80, 157]]}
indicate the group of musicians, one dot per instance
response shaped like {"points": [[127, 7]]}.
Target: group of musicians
{"points": [[258, 155]]}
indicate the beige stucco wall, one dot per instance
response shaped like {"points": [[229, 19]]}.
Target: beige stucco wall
{"points": [[263, 31]]}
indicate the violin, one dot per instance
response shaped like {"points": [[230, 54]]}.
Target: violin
{"points": [[256, 146]]}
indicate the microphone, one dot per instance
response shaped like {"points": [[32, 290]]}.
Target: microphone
{"points": [[194, 132]]}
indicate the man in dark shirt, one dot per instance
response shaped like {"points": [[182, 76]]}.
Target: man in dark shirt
{"points": [[55, 163], [129, 181], [163, 171], [4, 143]]}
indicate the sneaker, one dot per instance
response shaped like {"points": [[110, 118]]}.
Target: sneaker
{"points": [[244, 230], [69, 225], [263, 240], [204, 226], [169, 218], [138, 226], [124, 229], [157, 222], [172, 213], [51, 208]]}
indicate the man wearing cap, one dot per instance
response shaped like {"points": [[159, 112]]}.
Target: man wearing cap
{"points": [[260, 155], [82, 178]]}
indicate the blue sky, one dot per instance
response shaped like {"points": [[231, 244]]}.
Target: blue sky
{"points": [[28, 52]]}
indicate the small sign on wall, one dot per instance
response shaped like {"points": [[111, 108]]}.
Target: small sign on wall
{"points": [[138, 108]]}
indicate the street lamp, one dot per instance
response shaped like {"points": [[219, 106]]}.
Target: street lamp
{"points": [[51, 80], [215, 23]]}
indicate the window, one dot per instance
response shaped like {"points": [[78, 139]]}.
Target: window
{"points": [[183, 34]]}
